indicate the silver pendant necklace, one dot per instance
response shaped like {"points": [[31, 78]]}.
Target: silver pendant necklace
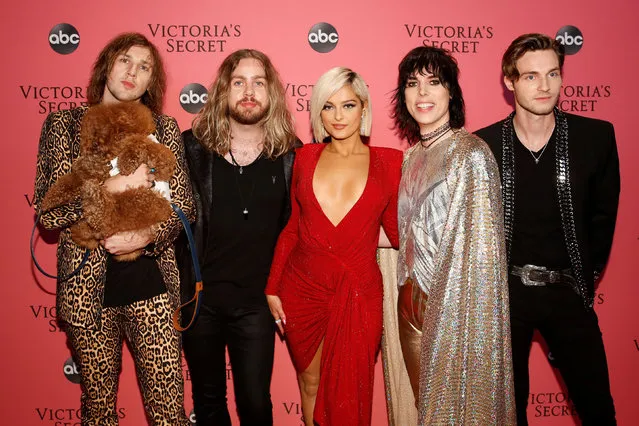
{"points": [[537, 158], [245, 211]]}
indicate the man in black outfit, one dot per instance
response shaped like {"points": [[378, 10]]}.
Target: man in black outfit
{"points": [[240, 153], [560, 183]]}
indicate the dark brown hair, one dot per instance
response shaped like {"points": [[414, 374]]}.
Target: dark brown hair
{"points": [[441, 64], [529, 43], [154, 96]]}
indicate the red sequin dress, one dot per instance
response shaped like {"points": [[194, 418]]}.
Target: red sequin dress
{"points": [[330, 284]]}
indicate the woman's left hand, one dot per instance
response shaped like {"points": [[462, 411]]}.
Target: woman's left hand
{"points": [[275, 305]]}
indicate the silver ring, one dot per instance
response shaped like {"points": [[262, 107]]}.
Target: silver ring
{"points": [[277, 321]]}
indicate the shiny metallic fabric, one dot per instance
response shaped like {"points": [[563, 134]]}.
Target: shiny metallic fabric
{"points": [[452, 246], [411, 304]]}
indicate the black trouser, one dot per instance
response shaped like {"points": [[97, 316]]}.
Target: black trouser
{"points": [[249, 334], [573, 336]]}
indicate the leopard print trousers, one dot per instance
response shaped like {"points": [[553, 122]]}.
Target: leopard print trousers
{"points": [[156, 350]]}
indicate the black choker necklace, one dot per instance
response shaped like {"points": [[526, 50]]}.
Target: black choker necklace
{"points": [[437, 132]]}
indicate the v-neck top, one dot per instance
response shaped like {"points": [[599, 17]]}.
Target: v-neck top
{"points": [[317, 200]]}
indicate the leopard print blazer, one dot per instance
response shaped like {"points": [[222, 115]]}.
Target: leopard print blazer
{"points": [[79, 299]]}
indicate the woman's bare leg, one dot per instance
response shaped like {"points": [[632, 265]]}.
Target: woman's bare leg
{"points": [[309, 383]]}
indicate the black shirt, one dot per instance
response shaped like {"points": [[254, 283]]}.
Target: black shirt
{"points": [[130, 282], [246, 219], [538, 237]]}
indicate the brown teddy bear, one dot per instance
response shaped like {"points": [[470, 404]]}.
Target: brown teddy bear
{"points": [[111, 131]]}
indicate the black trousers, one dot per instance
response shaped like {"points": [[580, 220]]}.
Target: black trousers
{"points": [[249, 334], [573, 337]]}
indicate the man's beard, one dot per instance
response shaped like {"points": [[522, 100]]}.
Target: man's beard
{"points": [[248, 116]]}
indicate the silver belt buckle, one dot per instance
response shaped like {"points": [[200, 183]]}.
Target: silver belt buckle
{"points": [[525, 276]]}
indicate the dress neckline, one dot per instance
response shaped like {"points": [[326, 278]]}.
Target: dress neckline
{"points": [[359, 199]]}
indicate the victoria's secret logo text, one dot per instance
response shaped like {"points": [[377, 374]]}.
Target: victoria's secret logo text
{"points": [[301, 93], [293, 409], [63, 416], [47, 314], [551, 404], [195, 38], [455, 38], [54, 98], [581, 98]]}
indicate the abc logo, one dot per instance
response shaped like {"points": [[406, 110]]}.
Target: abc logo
{"points": [[571, 38], [193, 97], [64, 38], [71, 371], [323, 37]]}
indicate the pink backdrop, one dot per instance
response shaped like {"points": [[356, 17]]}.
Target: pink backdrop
{"points": [[599, 82]]}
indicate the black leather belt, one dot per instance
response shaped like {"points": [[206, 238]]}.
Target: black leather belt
{"points": [[539, 276]]}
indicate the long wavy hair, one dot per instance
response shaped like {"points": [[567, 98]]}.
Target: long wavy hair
{"points": [[211, 125], [441, 64], [153, 98]]}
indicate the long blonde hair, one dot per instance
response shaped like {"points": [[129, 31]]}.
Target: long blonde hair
{"points": [[211, 125]]}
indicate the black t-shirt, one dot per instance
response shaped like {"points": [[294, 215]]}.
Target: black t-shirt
{"points": [[538, 238], [246, 218], [130, 282]]}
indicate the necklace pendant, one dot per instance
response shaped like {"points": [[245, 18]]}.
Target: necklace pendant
{"points": [[536, 160], [245, 212], [241, 169]]}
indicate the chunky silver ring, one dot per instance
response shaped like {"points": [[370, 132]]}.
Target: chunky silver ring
{"points": [[277, 321]]}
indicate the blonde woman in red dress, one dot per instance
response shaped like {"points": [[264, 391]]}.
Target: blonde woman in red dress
{"points": [[325, 287]]}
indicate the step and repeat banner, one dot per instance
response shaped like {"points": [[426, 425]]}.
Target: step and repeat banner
{"points": [[49, 50]]}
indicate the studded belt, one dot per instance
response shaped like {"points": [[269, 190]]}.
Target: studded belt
{"points": [[539, 276]]}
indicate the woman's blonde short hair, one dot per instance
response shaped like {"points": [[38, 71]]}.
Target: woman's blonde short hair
{"points": [[327, 85]]}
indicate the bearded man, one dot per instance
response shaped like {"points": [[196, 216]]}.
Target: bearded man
{"points": [[240, 153]]}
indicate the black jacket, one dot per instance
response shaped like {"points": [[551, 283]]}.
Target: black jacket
{"points": [[595, 185], [200, 163]]}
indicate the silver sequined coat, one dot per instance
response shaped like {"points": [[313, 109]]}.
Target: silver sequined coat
{"points": [[452, 245]]}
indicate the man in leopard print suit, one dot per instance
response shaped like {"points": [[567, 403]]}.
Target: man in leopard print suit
{"points": [[108, 301]]}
